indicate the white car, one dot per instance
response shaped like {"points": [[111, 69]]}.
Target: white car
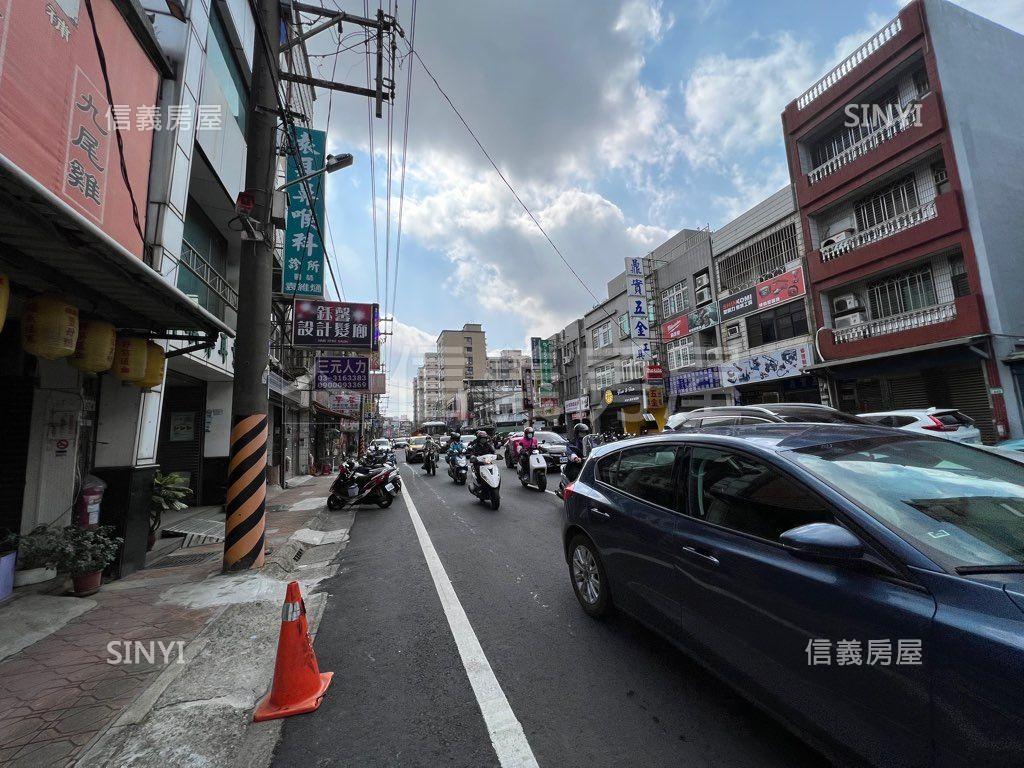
{"points": [[947, 423]]}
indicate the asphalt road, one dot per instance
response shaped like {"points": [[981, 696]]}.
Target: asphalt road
{"points": [[586, 693]]}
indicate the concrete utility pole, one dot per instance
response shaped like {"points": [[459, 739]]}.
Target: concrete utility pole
{"points": [[247, 465]]}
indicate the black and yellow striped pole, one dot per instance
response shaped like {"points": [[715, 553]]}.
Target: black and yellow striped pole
{"points": [[247, 462], [247, 494]]}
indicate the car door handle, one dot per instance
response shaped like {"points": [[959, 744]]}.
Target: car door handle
{"points": [[600, 513], [702, 554]]}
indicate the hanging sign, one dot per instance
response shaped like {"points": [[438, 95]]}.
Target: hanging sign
{"points": [[351, 373], [335, 325], [303, 273]]}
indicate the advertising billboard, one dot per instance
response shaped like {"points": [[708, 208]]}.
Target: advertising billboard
{"points": [[56, 123], [335, 325], [781, 364], [335, 372], [767, 293], [684, 382], [698, 320], [303, 273]]}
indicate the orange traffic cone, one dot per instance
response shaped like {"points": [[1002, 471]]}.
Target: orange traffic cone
{"points": [[299, 685]]}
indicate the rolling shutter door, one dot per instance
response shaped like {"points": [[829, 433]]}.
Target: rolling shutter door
{"points": [[908, 392], [968, 393]]}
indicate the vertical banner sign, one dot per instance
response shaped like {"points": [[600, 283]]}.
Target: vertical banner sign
{"points": [[303, 248], [546, 383], [639, 317], [535, 355]]}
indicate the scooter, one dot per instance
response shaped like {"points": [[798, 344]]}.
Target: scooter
{"points": [[458, 468], [356, 484], [570, 471], [486, 481], [534, 470]]}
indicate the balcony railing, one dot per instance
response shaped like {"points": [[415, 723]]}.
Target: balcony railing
{"points": [[879, 136], [210, 277], [880, 231], [939, 313], [847, 65]]}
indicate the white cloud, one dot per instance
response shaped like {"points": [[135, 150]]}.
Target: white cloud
{"points": [[749, 188], [403, 350], [643, 20], [734, 105]]}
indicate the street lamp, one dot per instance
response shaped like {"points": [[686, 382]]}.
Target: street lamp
{"points": [[334, 163]]}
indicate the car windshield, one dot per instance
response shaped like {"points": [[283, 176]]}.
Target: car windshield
{"points": [[958, 505], [817, 416], [549, 437], [418, 441]]}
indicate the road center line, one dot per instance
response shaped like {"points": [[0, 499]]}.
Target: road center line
{"points": [[507, 736]]}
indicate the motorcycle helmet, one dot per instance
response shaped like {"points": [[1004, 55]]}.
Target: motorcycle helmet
{"points": [[481, 434], [580, 430], [528, 432]]}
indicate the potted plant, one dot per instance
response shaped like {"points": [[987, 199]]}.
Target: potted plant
{"points": [[8, 557], [38, 552], [168, 493], [85, 552]]}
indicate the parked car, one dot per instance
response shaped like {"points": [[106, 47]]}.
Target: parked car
{"points": [[862, 584], [947, 423], [739, 415], [414, 451]]}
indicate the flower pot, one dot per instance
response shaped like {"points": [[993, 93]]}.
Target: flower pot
{"points": [[33, 576], [87, 584]]}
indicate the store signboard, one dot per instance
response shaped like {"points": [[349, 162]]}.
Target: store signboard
{"points": [[579, 404], [776, 290], [335, 325], [781, 364], [336, 372], [698, 320], [303, 271], [684, 382]]}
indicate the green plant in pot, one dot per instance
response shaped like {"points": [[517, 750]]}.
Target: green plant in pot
{"points": [[38, 553], [169, 493], [85, 552]]}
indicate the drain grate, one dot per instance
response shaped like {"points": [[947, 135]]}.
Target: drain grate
{"points": [[193, 559], [298, 554]]}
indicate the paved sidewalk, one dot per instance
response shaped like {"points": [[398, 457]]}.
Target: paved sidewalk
{"points": [[61, 693]]}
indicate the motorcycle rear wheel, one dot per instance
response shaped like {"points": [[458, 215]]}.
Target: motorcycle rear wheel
{"points": [[334, 503], [542, 483], [495, 500], [386, 501]]}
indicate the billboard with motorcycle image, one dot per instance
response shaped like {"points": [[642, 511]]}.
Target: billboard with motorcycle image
{"points": [[767, 293], [780, 364]]}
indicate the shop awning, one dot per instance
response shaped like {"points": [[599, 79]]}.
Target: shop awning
{"points": [[963, 341], [45, 245]]}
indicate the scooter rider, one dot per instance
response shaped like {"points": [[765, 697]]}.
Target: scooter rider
{"points": [[527, 443], [455, 446], [577, 452], [481, 446]]}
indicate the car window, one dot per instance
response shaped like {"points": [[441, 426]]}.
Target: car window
{"points": [[751, 420], [900, 421], [717, 421], [647, 473], [606, 468], [747, 495]]}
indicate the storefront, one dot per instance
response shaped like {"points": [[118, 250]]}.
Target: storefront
{"points": [[772, 377], [699, 388], [945, 375], [630, 408]]}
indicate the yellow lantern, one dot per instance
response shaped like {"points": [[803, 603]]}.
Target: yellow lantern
{"points": [[129, 359], [154, 366], [5, 298], [95, 350], [49, 327]]}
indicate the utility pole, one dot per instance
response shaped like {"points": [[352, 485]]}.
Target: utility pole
{"points": [[247, 465]]}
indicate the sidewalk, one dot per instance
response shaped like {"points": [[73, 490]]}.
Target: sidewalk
{"points": [[81, 677]]}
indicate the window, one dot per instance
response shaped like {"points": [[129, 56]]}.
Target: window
{"points": [[747, 496], [224, 66], [604, 376], [888, 203], [606, 468], [675, 300], [624, 326], [941, 178], [785, 322], [204, 240], [632, 369], [679, 353], [958, 275], [767, 256], [602, 336], [902, 293], [646, 473], [844, 137], [921, 84]]}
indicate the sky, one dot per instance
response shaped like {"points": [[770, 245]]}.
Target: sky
{"points": [[618, 123]]}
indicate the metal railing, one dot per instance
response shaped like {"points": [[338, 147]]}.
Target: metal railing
{"points": [[877, 137], [847, 65], [192, 260], [882, 230], [938, 313]]}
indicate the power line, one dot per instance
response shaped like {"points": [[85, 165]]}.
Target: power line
{"points": [[373, 173]]}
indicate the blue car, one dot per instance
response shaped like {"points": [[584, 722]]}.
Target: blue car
{"points": [[864, 585]]}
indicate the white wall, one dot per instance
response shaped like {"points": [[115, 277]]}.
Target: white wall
{"points": [[218, 418]]}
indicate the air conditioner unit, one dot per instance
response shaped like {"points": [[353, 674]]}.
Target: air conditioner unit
{"points": [[838, 237], [701, 280], [703, 296], [847, 302], [732, 331], [850, 319], [712, 356]]}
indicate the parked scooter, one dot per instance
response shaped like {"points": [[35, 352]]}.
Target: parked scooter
{"points": [[485, 481], [533, 469], [359, 484]]}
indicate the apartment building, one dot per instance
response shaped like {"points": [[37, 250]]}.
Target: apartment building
{"points": [[686, 314], [428, 405], [462, 357], [909, 216], [507, 364], [766, 323], [570, 346]]}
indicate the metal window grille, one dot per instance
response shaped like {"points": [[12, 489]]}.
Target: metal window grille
{"points": [[902, 293], [844, 137], [679, 353], [758, 261], [890, 202]]}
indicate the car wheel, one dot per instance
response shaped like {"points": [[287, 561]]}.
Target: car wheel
{"points": [[588, 578]]}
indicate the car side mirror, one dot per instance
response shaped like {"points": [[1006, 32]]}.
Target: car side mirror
{"points": [[824, 542]]}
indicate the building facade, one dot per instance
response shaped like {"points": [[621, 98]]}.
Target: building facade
{"points": [[462, 357], [905, 210]]}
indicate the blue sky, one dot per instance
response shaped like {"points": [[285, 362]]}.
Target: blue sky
{"points": [[618, 121]]}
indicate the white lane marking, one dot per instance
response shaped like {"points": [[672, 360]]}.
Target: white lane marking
{"points": [[507, 736]]}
